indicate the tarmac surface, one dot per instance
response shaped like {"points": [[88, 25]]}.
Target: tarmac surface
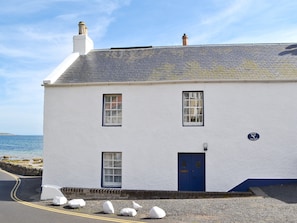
{"points": [[13, 210], [276, 203]]}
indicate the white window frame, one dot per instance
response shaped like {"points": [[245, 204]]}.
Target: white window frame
{"points": [[112, 110], [193, 108], [112, 169]]}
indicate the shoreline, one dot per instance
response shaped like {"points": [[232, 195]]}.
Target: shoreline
{"points": [[24, 167], [36, 162]]}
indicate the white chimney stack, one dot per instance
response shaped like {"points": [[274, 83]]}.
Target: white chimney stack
{"points": [[82, 43]]}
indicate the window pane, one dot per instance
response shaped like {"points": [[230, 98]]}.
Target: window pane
{"points": [[118, 156], [107, 120], [108, 164], [107, 156], [117, 164], [117, 179], [118, 172], [108, 179], [107, 99], [107, 105], [114, 120], [108, 172]]}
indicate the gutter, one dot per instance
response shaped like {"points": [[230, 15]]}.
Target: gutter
{"points": [[46, 84]]}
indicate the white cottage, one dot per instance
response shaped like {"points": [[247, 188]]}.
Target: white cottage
{"points": [[180, 118]]}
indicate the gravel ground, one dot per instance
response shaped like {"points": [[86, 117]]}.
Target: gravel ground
{"points": [[277, 204], [249, 209]]}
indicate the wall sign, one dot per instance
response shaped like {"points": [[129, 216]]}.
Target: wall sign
{"points": [[253, 136]]}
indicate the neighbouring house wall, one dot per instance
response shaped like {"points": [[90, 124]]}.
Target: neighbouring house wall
{"points": [[152, 135]]}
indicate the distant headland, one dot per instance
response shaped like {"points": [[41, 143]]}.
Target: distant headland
{"points": [[6, 134]]}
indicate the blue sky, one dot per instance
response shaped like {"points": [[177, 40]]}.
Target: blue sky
{"points": [[36, 35]]}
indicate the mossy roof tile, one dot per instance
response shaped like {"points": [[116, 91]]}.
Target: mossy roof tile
{"points": [[209, 62]]}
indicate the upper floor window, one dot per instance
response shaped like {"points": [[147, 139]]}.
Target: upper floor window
{"points": [[193, 112], [112, 114]]}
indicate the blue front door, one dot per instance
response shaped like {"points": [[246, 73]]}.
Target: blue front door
{"points": [[191, 172]]}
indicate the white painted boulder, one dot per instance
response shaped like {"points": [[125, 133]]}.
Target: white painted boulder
{"points": [[108, 207], [157, 213], [131, 212], [77, 203], [136, 206], [49, 192], [59, 200]]}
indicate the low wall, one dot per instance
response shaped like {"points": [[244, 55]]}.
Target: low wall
{"points": [[117, 194], [20, 170]]}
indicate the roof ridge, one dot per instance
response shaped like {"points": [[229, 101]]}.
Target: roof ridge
{"points": [[194, 46]]}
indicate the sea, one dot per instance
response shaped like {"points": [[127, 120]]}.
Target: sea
{"points": [[21, 146]]}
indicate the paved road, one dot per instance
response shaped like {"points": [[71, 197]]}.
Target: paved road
{"points": [[21, 211]]}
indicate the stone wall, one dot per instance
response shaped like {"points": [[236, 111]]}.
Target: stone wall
{"points": [[20, 170]]}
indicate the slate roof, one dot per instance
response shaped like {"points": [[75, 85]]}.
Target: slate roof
{"points": [[255, 62]]}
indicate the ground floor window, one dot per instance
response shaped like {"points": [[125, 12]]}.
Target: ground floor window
{"points": [[112, 169]]}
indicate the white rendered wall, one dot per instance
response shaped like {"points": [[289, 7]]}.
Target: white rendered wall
{"points": [[152, 134]]}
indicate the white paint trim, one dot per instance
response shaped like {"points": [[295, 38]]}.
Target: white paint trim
{"points": [[58, 71]]}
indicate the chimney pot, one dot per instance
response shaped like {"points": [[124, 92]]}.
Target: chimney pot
{"points": [[185, 40], [82, 29]]}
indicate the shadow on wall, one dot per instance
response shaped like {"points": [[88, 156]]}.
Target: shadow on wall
{"points": [[292, 49]]}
